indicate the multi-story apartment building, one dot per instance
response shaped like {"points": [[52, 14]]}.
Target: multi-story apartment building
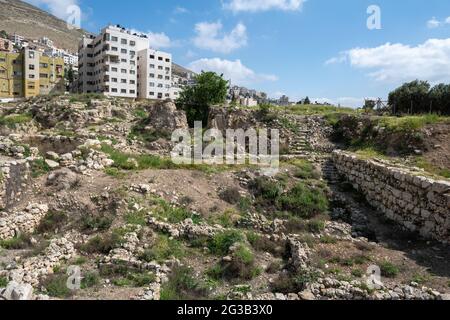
{"points": [[120, 63], [29, 73], [155, 74]]}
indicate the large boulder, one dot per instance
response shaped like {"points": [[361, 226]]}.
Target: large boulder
{"points": [[63, 179], [16, 291]]}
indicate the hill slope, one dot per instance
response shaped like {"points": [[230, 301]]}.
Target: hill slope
{"points": [[22, 18]]}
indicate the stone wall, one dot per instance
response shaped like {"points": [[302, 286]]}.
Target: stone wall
{"points": [[15, 223], [14, 177], [416, 202]]}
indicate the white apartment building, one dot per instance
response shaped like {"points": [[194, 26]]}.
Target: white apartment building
{"points": [[121, 64], [155, 74], [69, 59]]}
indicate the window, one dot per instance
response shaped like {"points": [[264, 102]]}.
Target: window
{"points": [[152, 93], [160, 85], [160, 58], [123, 91], [114, 79], [167, 95], [132, 72], [31, 67], [167, 69], [114, 69], [31, 54], [152, 66], [123, 70], [160, 67], [114, 90], [123, 80], [123, 60], [2, 60], [132, 92], [152, 56], [123, 41], [31, 76], [114, 48], [160, 76], [43, 75], [132, 62], [152, 84], [132, 43], [132, 52], [167, 60], [152, 75], [123, 51], [114, 39], [132, 82]]}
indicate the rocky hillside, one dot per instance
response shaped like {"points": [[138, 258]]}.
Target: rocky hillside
{"points": [[87, 184], [31, 22]]}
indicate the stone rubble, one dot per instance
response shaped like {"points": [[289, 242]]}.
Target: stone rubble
{"points": [[26, 221]]}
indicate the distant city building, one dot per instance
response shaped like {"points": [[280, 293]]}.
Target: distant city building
{"points": [[245, 96], [17, 39], [46, 41], [283, 101], [29, 73], [111, 62]]}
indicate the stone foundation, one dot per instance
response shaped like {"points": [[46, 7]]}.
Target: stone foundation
{"points": [[418, 203]]}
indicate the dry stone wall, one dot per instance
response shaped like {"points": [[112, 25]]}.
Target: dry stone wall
{"points": [[416, 202], [14, 176]]}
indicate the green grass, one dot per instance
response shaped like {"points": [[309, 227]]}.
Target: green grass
{"points": [[103, 244], [135, 279], [317, 110], [173, 214], [136, 218], [411, 123], [15, 119], [115, 173], [90, 279], [17, 243], [304, 169], [86, 97], [163, 249], [305, 200], [3, 282], [421, 162], [39, 168], [140, 113]]}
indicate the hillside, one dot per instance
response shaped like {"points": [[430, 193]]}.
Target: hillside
{"points": [[31, 22]]}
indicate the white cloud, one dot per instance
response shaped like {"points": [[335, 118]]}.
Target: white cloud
{"points": [[433, 23], [234, 70], [180, 10], [56, 7], [263, 5], [157, 40], [398, 62], [210, 37]]}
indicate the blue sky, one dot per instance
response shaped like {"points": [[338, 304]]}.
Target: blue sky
{"points": [[317, 48]]}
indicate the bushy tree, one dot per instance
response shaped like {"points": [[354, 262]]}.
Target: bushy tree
{"points": [[307, 101], [440, 99], [210, 89], [411, 97]]}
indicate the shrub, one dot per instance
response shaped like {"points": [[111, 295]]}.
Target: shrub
{"points": [[227, 219], [263, 244], [287, 283], [97, 222], [266, 189], [136, 218], [230, 195], [220, 243], [103, 244], [389, 270], [316, 226], [14, 119], [163, 249], [174, 214], [52, 221], [304, 200], [56, 286], [89, 280], [183, 286], [305, 169], [135, 279]]}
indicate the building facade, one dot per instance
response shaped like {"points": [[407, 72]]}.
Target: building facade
{"points": [[120, 63], [29, 73]]}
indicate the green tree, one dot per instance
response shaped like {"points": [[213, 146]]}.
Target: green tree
{"points": [[411, 97], [440, 99], [210, 89], [307, 101], [3, 34]]}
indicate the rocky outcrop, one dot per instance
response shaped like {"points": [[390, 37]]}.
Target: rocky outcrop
{"points": [[165, 117], [418, 203], [223, 118]]}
